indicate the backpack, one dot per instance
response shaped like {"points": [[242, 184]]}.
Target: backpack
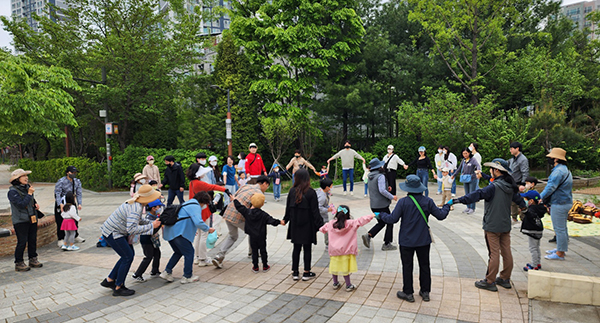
{"points": [[170, 215]]}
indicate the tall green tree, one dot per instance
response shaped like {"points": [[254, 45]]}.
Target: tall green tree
{"points": [[146, 54], [34, 99]]}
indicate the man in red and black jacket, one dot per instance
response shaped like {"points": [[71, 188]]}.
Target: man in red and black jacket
{"points": [[254, 164]]}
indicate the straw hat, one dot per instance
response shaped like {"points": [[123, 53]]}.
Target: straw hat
{"points": [[145, 195], [558, 153], [257, 200], [139, 176], [18, 173]]}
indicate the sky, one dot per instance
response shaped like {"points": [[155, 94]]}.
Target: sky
{"points": [[5, 10]]}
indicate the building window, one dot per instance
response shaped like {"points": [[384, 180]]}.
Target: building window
{"points": [[587, 9]]}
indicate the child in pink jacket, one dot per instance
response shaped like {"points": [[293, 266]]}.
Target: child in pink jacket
{"points": [[342, 245]]}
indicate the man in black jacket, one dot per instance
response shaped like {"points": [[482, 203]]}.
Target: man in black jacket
{"points": [[175, 179]]}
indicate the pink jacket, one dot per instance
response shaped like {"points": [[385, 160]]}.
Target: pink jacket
{"points": [[343, 242]]}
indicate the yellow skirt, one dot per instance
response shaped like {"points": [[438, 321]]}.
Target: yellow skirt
{"points": [[342, 265]]}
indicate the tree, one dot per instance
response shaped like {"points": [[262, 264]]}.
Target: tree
{"points": [[34, 98], [145, 52], [468, 35]]}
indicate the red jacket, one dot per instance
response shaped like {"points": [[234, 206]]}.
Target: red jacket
{"points": [[197, 186], [254, 165]]}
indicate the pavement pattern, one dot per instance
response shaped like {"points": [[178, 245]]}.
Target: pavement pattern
{"points": [[67, 288]]}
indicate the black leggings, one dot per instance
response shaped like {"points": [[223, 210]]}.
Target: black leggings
{"points": [[26, 233], [389, 227], [151, 254], [296, 256]]}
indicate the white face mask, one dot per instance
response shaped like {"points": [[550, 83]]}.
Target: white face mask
{"points": [[151, 162], [470, 148], [390, 150], [440, 151], [527, 186], [213, 163], [445, 151], [276, 169], [202, 161], [143, 181]]}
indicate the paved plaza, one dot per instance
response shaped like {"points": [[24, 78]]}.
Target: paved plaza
{"points": [[67, 287]]}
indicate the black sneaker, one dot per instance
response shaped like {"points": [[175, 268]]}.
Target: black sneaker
{"points": [[107, 284], [123, 291], [553, 239], [295, 275], [155, 274], [483, 284], [407, 297], [424, 295], [503, 282], [308, 275]]}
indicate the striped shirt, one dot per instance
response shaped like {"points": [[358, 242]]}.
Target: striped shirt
{"points": [[64, 186], [243, 195], [126, 220]]}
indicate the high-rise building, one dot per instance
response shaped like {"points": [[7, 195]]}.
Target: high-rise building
{"points": [[577, 12], [26, 8], [213, 26]]}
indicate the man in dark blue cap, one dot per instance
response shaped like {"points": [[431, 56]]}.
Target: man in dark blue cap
{"points": [[66, 184], [496, 222], [414, 236]]}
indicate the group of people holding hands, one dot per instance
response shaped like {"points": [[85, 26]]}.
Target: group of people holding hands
{"points": [[307, 212]]}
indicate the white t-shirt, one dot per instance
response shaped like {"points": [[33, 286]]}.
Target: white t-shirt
{"points": [[439, 161], [394, 162], [241, 166], [477, 157]]}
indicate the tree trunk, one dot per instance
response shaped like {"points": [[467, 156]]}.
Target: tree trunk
{"points": [[345, 127], [48, 148]]}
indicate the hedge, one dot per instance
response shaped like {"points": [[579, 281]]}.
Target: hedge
{"points": [[93, 175]]}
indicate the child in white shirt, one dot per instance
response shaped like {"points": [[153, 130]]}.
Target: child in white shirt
{"points": [[69, 215]]}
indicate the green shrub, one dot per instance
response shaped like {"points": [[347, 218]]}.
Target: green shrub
{"points": [[92, 174]]}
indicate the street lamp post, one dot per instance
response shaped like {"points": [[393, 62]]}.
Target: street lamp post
{"points": [[227, 121]]}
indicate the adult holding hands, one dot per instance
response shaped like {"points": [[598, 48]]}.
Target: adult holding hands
{"points": [[118, 230], [347, 155], [380, 199], [423, 167], [297, 162]]}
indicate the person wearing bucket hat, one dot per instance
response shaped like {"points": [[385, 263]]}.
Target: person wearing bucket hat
{"points": [[423, 164], [123, 224], [139, 179], [67, 183], [24, 217], [150, 243], [558, 195], [254, 165], [496, 222], [347, 155], [414, 236], [379, 199], [150, 170]]}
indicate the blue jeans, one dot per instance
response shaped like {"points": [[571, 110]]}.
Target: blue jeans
{"points": [[366, 188], [471, 187], [181, 247], [558, 214], [172, 194], [439, 175], [453, 190], [424, 176], [345, 174], [125, 251], [277, 191]]}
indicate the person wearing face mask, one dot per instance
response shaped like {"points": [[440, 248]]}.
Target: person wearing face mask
{"points": [[298, 162], [439, 165], [67, 183], [24, 218], [213, 161], [392, 161], [150, 170], [175, 178], [254, 165], [496, 222], [423, 167], [139, 179], [241, 166], [276, 176], [450, 162], [208, 177], [347, 155], [520, 166], [150, 243], [558, 195]]}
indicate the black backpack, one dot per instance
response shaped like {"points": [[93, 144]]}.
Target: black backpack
{"points": [[170, 215]]}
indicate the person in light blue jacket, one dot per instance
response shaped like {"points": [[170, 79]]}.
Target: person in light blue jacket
{"points": [[181, 236], [559, 197]]}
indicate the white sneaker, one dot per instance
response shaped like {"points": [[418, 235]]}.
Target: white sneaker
{"points": [[60, 243], [166, 276], [453, 195], [204, 262], [64, 247], [196, 261], [345, 193], [72, 248], [365, 196], [189, 280], [352, 193], [79, 239]]}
